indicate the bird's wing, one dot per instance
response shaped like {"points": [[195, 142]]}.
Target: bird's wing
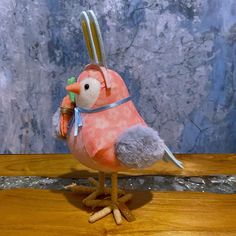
{"points": [[168, 156]]}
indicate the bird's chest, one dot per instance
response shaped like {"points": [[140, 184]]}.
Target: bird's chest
{"points": [[96, 132], [100, 130]]}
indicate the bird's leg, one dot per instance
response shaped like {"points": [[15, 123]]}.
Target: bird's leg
{"points": [[101, 179], [114, 198], [116, 205], [100, 187], [113, 201], [112, 207], [84, 189], [91, 200], [97, 190]]}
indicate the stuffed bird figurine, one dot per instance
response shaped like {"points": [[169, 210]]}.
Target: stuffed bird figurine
{"points": [[103, 129]]}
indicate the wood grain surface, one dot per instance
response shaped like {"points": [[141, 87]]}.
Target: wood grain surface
{"points": [[64, 165], [43, 212]]}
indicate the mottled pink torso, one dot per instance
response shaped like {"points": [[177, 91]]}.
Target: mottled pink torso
{"points": [[94, 146]]}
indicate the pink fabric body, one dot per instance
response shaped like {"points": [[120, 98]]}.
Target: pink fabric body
{"points": [[95, 143]]}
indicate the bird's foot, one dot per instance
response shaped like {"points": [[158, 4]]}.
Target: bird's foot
{"points": [[100, 196], [118, 208]]}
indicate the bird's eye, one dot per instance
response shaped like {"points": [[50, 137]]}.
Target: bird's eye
{"points": [[86, 86]]}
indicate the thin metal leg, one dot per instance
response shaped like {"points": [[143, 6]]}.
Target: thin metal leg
{"points": [[114, 187], [101, 179]]}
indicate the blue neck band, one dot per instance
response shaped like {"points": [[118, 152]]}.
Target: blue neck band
{"points": [[79, 110]]}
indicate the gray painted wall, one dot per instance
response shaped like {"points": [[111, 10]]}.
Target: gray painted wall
{"points": [[177, 58]]}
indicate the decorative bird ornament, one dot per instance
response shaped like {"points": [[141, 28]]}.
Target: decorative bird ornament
{"points": [[103, 129]]}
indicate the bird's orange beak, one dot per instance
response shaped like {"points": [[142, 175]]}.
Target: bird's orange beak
{"points": [[74, 88]]}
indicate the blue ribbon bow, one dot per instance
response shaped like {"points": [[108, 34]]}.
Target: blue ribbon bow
{"points": [[78, 121]]}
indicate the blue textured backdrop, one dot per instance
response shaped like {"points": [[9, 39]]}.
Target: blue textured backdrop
{"points": [[177, 58]]}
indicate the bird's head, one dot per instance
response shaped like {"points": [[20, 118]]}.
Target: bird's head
{"points": [[97, 86]]}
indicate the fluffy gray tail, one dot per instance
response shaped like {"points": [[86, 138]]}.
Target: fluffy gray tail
{"points": [[139, 147]]}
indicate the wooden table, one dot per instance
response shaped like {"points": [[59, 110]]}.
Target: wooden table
{"points": [[48, 212]]}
